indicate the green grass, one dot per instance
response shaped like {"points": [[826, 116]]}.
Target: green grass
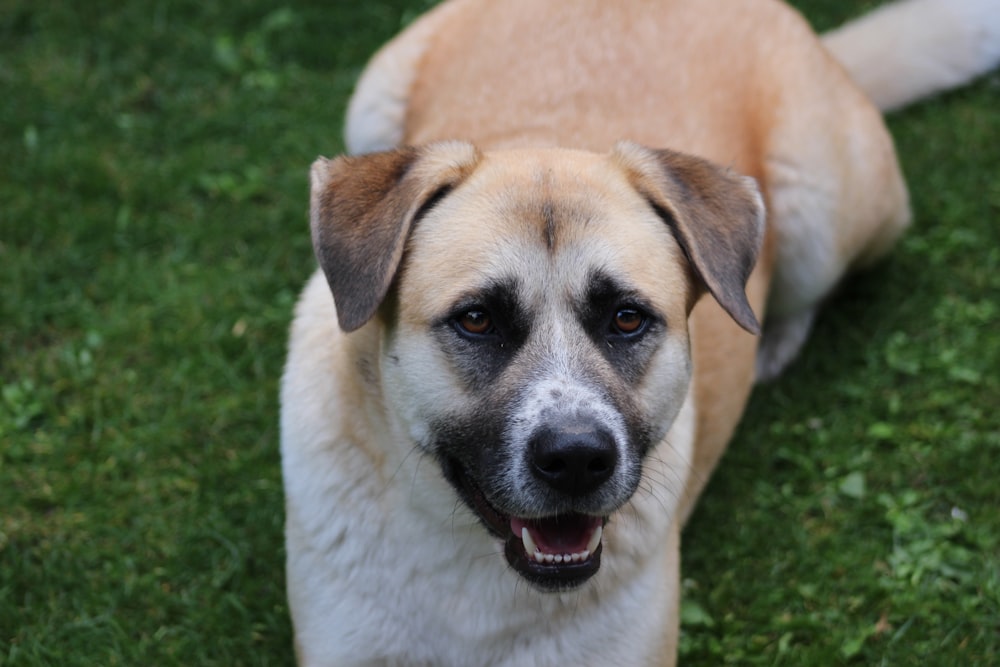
{"points": [[153, 236]]}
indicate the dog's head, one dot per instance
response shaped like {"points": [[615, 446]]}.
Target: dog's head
{"points": [[533, 311]]}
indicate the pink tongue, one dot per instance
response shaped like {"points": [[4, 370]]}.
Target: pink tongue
{"points": [[565, 534]]}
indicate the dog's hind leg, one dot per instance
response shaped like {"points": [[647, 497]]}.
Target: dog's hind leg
{"points": [[837, 202], [376, 113], [377, 110], [780, 342], [837, 199]]}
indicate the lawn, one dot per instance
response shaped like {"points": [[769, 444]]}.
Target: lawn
{"points": [[153, 237]]}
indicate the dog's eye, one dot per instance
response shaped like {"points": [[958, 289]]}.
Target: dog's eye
{"points": [[628, 322], [475, 322]]}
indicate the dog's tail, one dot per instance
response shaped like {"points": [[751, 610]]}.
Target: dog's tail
{"points": [[908, 50]]}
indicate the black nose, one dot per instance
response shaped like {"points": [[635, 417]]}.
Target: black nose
{"points": [[573, 459]]}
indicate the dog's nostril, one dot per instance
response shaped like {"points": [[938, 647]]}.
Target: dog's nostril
{"points": [[551, 466], [598, 466], [575, 461]]}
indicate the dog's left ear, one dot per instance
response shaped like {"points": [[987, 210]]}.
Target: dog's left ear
{"points": [[362, 209], [716, 215]]}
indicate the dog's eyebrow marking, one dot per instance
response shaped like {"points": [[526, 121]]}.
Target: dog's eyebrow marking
{"points": [[603, 290], [549, 216]]}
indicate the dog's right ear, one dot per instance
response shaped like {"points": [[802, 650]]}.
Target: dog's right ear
{"points": [[362, 210]]}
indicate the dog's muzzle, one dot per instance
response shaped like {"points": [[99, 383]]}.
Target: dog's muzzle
{"points": [[570, 465]]}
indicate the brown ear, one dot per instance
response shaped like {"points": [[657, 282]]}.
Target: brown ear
{"points": [[362, 210], [716, 215]]}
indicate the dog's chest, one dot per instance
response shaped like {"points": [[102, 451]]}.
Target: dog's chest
{"points": [[411, 590], [467, 613]]}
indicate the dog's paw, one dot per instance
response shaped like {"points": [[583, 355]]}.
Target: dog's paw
{"points": [[781, 341]]}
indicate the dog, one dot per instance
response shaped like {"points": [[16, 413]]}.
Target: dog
{"points": [[570, 238]]}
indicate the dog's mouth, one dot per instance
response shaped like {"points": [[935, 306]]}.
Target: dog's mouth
{"points": [[558, 552], [555, 553]]}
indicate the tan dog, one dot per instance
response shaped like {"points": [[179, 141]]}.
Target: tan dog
{"points": [[492, 442]]}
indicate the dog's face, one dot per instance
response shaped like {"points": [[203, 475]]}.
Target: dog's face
{"points": [[534, 307]]}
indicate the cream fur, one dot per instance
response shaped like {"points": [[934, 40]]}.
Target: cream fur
{"points": [[441, 594], [385, 565], [904, 51]]}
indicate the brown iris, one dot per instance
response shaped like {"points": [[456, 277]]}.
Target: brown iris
{"points": [[628, 320], [475, 322]]}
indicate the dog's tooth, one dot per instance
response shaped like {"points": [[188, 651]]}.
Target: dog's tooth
{"points": [[529, 544], [595, 539], [531, 548]]}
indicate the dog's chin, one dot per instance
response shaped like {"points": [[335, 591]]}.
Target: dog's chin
{"points": [[553, 553]]}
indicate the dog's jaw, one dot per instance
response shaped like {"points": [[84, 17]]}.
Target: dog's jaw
{"points": [[555, 553]]}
